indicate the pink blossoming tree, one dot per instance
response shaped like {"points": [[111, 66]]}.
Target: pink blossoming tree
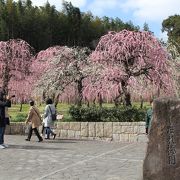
{"points": [[59, 69], [128, 60], [15, 61]]}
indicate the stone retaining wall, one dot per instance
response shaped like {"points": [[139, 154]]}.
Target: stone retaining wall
{"points": [[16, 128], [116, 131], [111, 131]]}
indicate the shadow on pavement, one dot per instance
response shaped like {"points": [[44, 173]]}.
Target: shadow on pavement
{"points": [[59, 141], [32, 147], [65, 140]]}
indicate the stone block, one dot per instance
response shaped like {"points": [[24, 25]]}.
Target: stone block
{"points": [[108, 129], [136, 129], [17, 128], [77, 134], [117, 129], [58, 133], [141, 130], [64, 133], [84, 129], [92, 129], [8, 130], [116, 137], [132, 137], [66, 125], [59, 125], [142, 138], [141, 123], [116, 124], [99, 129], [127, 129], [76, 126], [92, 138], [71, 134], [124, 137], [125, 123]]}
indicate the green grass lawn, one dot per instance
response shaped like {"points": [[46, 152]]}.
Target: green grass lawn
{"points": [[62, 108], [16, 115]]}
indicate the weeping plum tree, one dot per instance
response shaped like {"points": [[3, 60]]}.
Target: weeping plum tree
{"points": [[15, 61], [62, 67], [125, 59], [22, 89], [43, 68], [78, 70]]}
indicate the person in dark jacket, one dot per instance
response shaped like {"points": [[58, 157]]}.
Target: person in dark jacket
{"points": [[3, 103]]}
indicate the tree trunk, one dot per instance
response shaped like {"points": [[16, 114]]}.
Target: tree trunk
{"points": [[128, 99], [56, 100], [116, 99], [87, 102], [142, 101], [53, 97], [20, 110], [6, 79], [127, 96], [80, 96], [116, 103], [44, 96], [94, 101], [158, 92], [100, 100]]}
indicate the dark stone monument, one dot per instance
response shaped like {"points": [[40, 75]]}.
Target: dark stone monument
{"points": [[162, 161]]}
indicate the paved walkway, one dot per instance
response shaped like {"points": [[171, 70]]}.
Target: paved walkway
{"points": [[70, 160]]}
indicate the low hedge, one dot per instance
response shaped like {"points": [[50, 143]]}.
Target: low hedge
{"points": [[93, 113], [20, 117]]}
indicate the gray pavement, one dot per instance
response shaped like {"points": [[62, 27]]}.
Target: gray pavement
{"points": [[70, 160]]}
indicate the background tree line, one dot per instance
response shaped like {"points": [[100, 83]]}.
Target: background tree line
{"points": [[44, 26], [171, 25]]}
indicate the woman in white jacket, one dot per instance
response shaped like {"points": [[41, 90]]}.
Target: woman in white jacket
{"points": [[48, 122]]}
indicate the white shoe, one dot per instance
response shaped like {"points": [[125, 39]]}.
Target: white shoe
{"points": [[2, 147], [5, 145]]}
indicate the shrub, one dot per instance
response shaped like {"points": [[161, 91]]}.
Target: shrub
{"points": [[93, 113], [20, 117]]}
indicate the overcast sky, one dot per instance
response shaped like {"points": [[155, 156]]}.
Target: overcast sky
{"points": [[152, 12]]}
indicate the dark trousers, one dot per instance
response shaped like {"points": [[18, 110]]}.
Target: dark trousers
{"points": [[48, 132], [36, 132], [43, 128], [2, 131]]}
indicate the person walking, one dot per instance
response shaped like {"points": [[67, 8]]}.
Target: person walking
{"points": [[50, 110], [4, 102], [34, 120]]}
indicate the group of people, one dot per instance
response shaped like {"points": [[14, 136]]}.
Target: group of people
{"points": [[33, 121]]}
